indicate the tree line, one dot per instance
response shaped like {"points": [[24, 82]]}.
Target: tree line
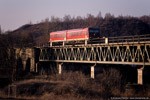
{"points": [[110, 26]]}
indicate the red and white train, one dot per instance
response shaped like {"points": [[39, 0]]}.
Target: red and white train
{"points": [[83, 34]]}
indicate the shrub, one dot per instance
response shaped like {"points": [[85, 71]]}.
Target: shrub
{"points": [[110, 81]]}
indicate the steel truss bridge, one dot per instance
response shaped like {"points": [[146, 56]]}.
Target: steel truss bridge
{"points": [[135, 52], [131, 50], [138, 54]]}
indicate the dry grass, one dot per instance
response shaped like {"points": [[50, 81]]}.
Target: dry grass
{"points": [[72, 86], [68, 86]]}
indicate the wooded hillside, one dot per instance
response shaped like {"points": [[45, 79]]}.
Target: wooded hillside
{"points": [[38, 34]]}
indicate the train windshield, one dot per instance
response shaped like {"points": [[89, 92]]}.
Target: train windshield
{"points": [[94, 32]]}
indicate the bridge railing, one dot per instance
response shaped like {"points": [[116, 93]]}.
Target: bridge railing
{"points": [[135, 38], [122, 39]]}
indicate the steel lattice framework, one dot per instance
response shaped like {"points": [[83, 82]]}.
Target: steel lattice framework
{"points": [[113, 53]]}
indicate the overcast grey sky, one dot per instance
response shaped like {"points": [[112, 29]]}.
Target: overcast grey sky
{"points": [[15, 13]]}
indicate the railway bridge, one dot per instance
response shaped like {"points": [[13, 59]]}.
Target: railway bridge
{"points": [[125, 50]]}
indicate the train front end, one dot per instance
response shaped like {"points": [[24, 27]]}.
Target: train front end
{"points": [[94, 33]]}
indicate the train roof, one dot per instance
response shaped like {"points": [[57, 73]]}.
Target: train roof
{"points": [[64, 31]]}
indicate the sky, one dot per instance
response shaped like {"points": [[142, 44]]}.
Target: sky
{"points": [[15, 13]]}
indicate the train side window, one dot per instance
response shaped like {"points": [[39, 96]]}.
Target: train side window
{"points": [[86, 32], [68, 34], [83, 33], [52, 36], [58, 35], [55, 35], [71, 34], [78, 33], [64, 35], [74, 34]]}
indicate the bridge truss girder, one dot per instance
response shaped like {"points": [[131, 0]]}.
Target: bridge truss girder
{"points": [[132, 54]]}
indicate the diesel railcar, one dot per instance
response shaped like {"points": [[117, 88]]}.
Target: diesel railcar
{"points": [[83, 34]]}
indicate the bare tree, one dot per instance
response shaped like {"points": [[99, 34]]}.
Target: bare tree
{"points": [[67, 20], [46, 25], [99, 15], [108, 16]]}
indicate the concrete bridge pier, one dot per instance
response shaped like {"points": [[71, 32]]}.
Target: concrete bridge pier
{"points": [[93, 71], [51, 44], [140, 75], [32, 65], [85, 42], [36, 67], [60, 68], [24, 64]]}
